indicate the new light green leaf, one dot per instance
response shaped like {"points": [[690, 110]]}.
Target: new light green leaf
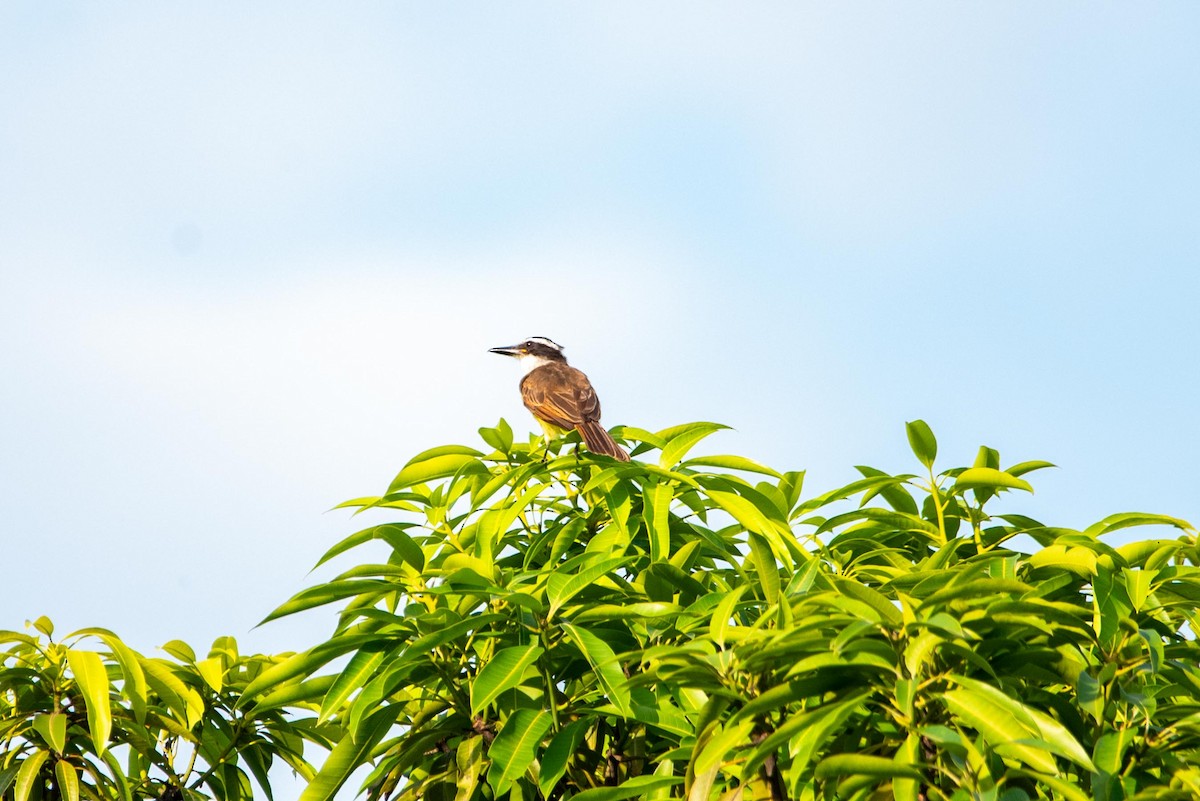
{"points": [[682, 440], [92, 679], [28, 774], [730, 462], [922, 441], [53, 728], [989, 478], [503, 672], [434, 464], [68, 780]]}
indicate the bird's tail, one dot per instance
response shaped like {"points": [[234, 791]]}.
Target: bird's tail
{"points": [[598, 441]]}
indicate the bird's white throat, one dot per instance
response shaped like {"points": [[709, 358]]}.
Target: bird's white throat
{"points": [[529, 362]]}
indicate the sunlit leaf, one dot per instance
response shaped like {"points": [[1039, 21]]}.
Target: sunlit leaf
{"points": [[92, 679], [502, 672]]}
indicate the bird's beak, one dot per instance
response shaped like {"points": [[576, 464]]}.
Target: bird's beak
{"points": [[511, 350]]}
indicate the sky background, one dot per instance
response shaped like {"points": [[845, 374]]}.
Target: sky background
{"points": [[252, 258]]}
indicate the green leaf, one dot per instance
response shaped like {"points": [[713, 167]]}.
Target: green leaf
{"points": [[637, 787], [357, 672], [212, 670], [1126, 519], [657, 499], [681, 439], [561, 587], [558, 753], [470, 763], [433, 464], [28, 774], [922, 442], [392, 533], [44, 625], [512, 752], [988, 478], [503, 671], [349, 754], [1050, 732], [180, 650], [605, 666], [864, 765], [1001, 729], [717, 751], [92, 679], [68, 780], [53, 728], [765, 566], [729, 462]]}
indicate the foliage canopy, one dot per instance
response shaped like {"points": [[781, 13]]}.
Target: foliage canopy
{"points": [[553, 624]]}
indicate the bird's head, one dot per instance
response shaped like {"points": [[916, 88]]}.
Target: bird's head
{"points": [[534, 352]]}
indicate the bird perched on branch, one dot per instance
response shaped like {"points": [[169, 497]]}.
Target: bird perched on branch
{"points": [[559, 396]]}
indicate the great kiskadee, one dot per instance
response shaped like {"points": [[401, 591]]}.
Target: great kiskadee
{"points": [[559, 396]]}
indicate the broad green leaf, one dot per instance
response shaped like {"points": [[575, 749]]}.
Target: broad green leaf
{"points": [[1137, 584], [563, 587], [1001, 729], [604, 665], [989, 478], [53, 728], [1080, 561], [729, 462], [92, 679], [357, 672], [68, 780], [721, 746], [433, 464], [328, 593], [303, 664], [558, 753], [680, 440], [1048, 730], [636, 787], [393, 534], [27, 775], [723, 615], [44, 625], [1126, 519], [765, 566], [180, 698], [922, 442], [1022, 468], [512, 752], [657, 499], [470, 763], [348, 755], [503, 671], [180, 650], [212, 670], [864, 765]]}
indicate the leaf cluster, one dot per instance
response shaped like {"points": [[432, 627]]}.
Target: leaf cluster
{"points": [[88, 717], [571, 626]]}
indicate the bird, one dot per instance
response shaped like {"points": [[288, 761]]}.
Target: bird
{"points": [[559, 396]]}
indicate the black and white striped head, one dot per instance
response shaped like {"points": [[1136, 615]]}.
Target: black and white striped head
{"points": [[534, 352]]}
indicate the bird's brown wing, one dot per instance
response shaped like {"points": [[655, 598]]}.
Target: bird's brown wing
{"points": [[560, 395]]}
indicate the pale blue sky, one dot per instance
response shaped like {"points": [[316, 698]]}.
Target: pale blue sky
{"points": [[252, 257]]}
